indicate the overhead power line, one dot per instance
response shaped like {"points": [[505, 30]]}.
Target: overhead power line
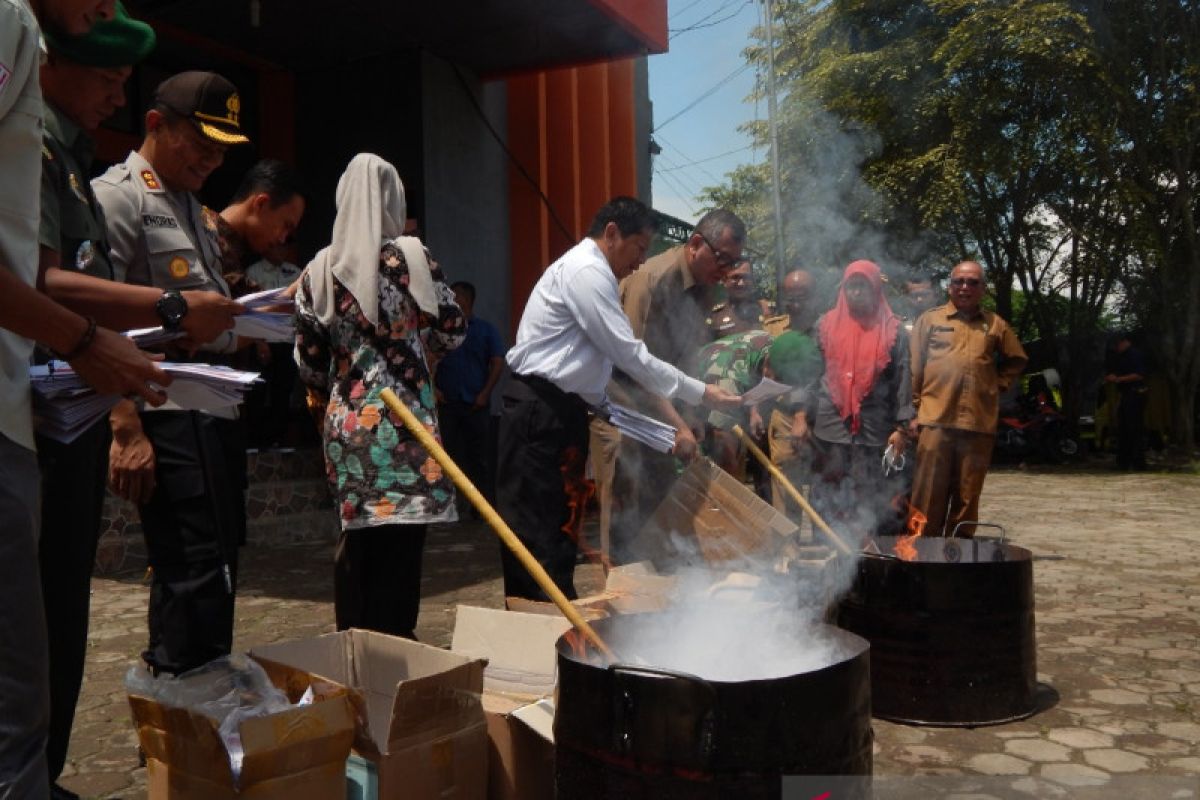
{"points": [[702, 97]]}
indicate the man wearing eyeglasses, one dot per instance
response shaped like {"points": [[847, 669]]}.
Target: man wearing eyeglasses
{"points": [[963, 359], [667, 301]]}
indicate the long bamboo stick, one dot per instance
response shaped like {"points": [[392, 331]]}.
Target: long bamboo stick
{"points": [[777, 473], [417, 429]]}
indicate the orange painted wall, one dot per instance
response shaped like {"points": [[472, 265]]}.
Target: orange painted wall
{"points": [[572, 129]]}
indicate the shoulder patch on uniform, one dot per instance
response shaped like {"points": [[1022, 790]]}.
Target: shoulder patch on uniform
{"points": [[159, 221], [179, 267], [149, 179]]}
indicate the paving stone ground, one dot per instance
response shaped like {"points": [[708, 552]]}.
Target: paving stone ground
{"points": [[1118, 631]]}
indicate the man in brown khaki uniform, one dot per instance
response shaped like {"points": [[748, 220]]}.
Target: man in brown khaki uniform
{"points": [[963, 358], [666, 301]]}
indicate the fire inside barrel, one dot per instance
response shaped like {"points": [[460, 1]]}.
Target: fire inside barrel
{"points": [[951, 627]]}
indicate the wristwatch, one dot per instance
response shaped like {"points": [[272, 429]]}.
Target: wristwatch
{"points": [[171, 308]]}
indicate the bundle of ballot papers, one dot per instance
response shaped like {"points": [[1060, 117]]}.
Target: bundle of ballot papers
{"points": [[64, 406], [270, 326], [255, 323], [639, 427]]}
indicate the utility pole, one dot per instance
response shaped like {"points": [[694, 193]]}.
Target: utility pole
{"points": [[780, 264]]}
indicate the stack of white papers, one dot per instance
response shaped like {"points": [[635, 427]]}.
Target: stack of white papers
{"points": [[767, 389], [641, 428], [270, 326], [147, 338], [64, 406]]}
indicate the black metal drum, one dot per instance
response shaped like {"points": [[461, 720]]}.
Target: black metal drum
{"points": [[951, 631], [639, 733]]}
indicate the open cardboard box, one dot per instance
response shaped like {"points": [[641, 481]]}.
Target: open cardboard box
{"points": [[298, 754], [517, 684], [421, 723]]}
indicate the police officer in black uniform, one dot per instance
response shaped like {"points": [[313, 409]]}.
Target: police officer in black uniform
{"points": [[162, 237]]}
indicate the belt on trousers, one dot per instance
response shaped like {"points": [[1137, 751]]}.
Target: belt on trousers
{"points": [[547, 391]]}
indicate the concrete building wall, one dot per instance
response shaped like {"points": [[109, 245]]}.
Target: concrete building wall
{"points": [[466, 222]]}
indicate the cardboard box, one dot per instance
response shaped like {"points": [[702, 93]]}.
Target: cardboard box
{"points": [[718, 515], [421, 722], [590, 608], [299, 754], [521, 664]]}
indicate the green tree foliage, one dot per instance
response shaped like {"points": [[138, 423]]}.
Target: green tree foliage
{"points": [[1053, 141]]}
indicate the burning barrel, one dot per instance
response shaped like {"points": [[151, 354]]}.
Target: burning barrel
{"points": [[650, 733], [950, 622]]}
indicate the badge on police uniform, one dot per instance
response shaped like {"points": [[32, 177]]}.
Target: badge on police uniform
{"points": [[86, 253], [179, 267], [76, 188], [149, 179]]}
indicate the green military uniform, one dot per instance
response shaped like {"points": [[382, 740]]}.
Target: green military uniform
{"points": [[72, 221], [74, 474], [735, 363]]}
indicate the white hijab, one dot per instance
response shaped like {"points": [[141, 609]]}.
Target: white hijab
{"points": [[370, 211]]}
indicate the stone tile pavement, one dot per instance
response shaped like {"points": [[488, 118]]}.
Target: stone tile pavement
{"points": [[1118, 627]]}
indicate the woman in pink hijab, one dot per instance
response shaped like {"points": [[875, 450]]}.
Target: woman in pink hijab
{"points": [[862, 406]]}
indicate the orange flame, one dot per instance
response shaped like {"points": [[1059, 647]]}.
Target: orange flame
{"points": [[905, 548], [579, 491]]}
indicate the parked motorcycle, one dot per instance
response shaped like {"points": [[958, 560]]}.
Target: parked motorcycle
{"points": [[1034, 428]]}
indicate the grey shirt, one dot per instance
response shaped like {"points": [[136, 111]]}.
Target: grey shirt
{"points": [[160, 238], [886, 406]]}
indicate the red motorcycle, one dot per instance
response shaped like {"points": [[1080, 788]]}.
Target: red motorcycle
{"points": [[1034, 428]]}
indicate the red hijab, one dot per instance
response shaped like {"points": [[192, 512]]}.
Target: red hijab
{"points": [[856, 351]]}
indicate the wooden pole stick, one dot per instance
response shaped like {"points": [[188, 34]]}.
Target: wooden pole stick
{"points": [[417, 429], [778, 475]]}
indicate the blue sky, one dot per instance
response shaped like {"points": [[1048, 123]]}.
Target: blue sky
{"points": [[703, 69]]}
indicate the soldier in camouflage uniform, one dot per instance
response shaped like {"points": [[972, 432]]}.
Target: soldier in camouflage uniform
{"points": [[737, 364]]}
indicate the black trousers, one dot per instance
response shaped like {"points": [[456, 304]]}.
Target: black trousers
{"points": [[1131, 430], [191, 525], [541, 455], [464, 432], [74, 477], [377, 579]]}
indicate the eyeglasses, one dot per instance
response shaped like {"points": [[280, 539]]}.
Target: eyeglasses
{"points": [[972, 282], [724, 260]]}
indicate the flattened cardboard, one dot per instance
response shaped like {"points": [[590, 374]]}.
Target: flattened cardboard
{"points": [[287, 756], [518, 648], [522, 661], [720, 516]]}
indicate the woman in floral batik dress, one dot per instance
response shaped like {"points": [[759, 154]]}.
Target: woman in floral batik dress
{"points": [[369, 308]]}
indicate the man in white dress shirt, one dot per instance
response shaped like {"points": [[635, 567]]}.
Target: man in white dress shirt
{"points": [[571, 335]]}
